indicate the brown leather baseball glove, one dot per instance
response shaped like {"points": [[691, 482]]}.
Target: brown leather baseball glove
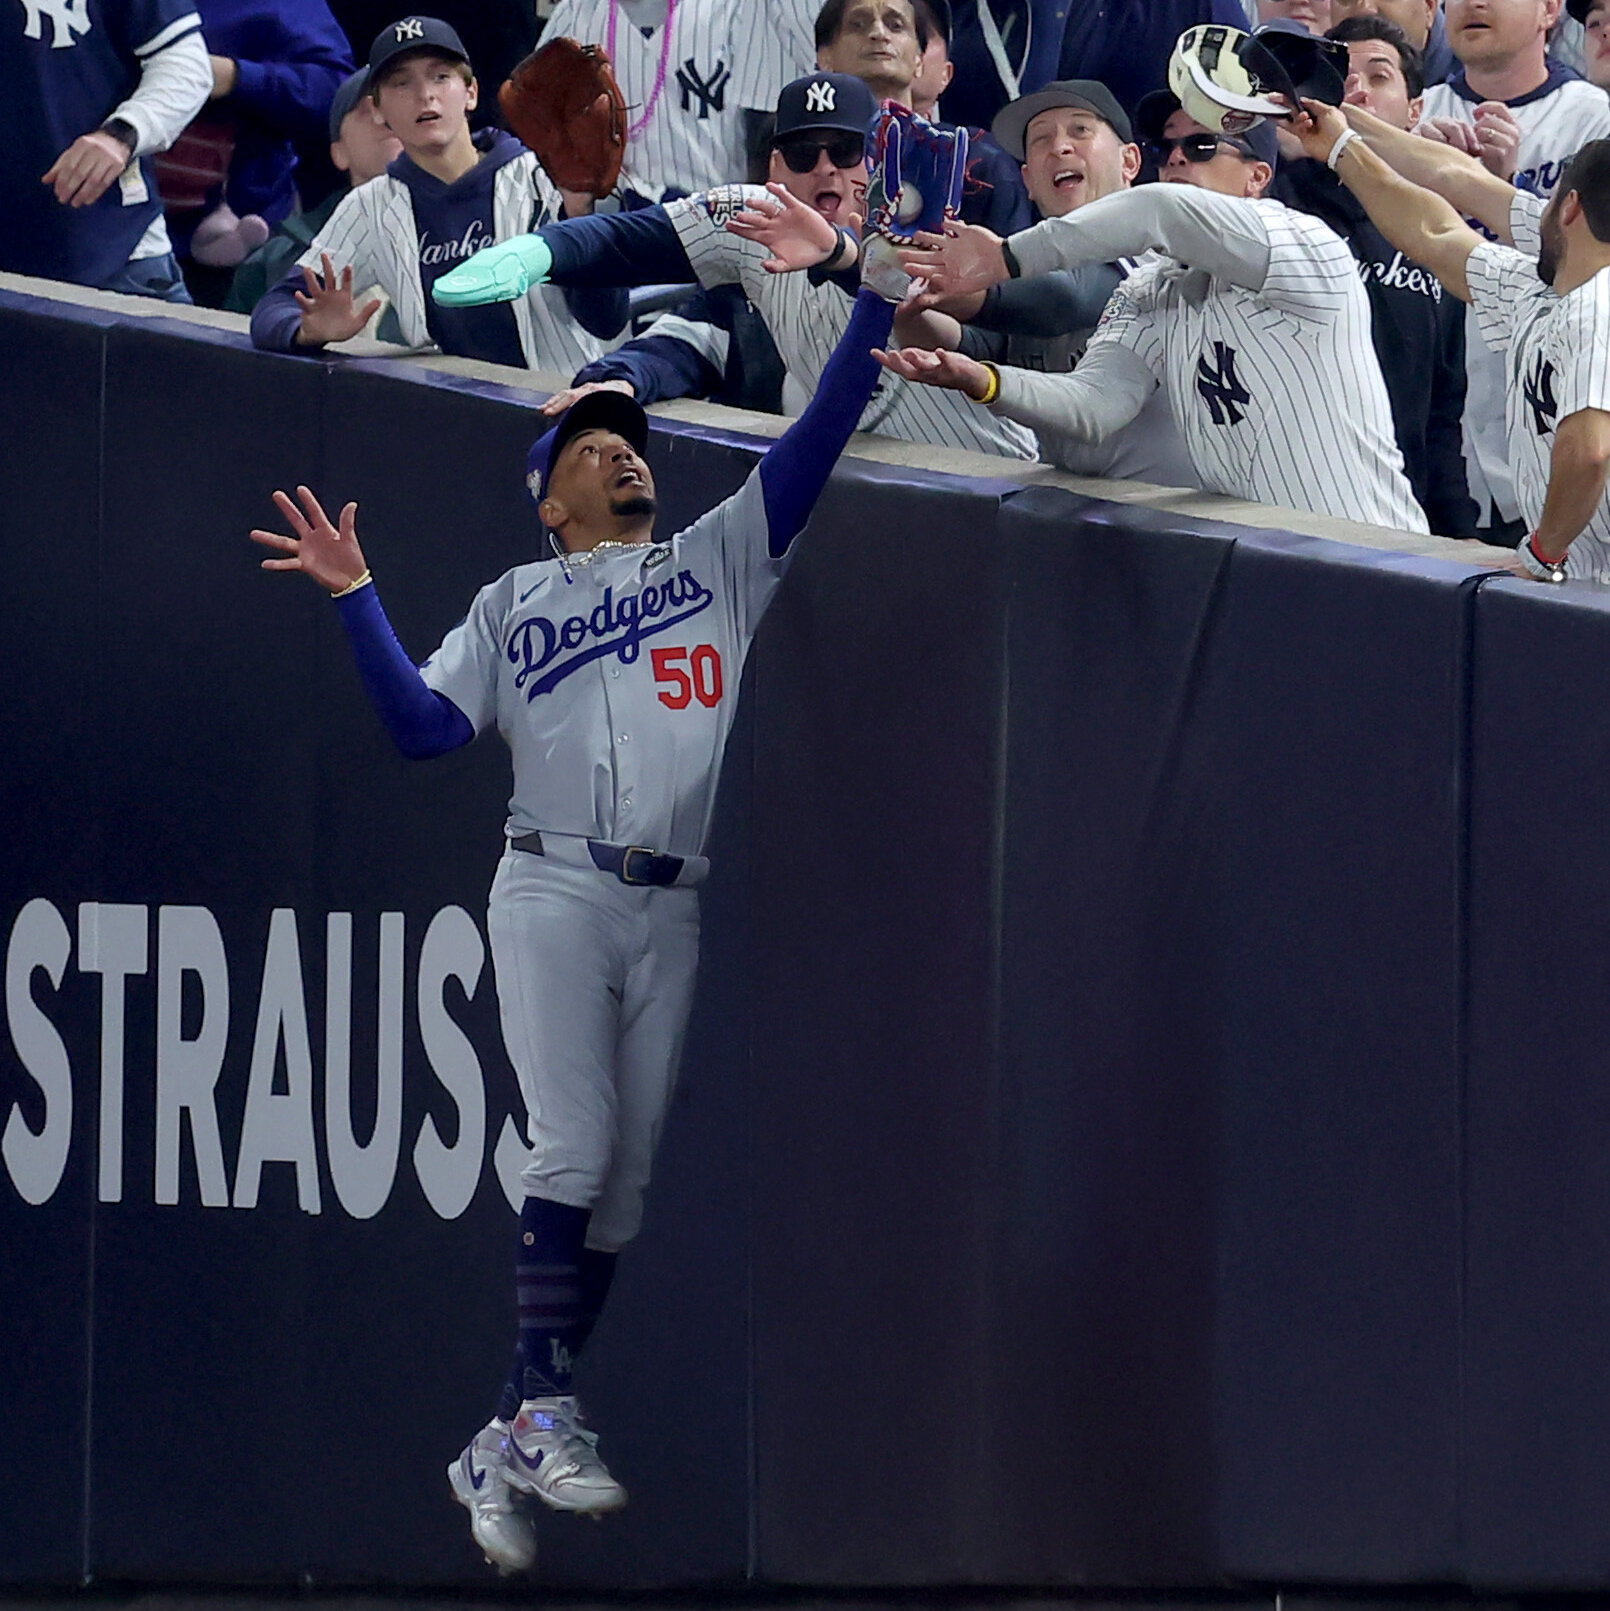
{"points": [[564, 103]]}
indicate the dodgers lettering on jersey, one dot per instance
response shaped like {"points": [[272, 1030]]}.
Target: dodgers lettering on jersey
{"points": [[1556, 356], [614, 681], [806, 322], [1277, 392], [682, 85]]}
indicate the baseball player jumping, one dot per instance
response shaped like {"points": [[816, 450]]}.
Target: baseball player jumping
{"points": [[1543, 303], [612, 671]]}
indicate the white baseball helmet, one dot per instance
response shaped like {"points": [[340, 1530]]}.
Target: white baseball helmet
{"points": [[1212, 82]]}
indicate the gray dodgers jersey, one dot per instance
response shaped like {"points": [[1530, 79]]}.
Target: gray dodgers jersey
{"points": [[1556, 356], [614, 682]]}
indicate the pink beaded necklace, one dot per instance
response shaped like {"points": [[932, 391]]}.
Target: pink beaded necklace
{"points": [[637, 128]]}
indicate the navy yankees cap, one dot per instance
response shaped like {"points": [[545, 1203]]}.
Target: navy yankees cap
{"points": [[1580, 8], [825, 101], [1082, 94], [412, 33], [597, 411], [1154, 111], [352, 91]]}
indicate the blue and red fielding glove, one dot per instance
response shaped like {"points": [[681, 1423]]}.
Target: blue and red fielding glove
{"points": [[918, 170]]}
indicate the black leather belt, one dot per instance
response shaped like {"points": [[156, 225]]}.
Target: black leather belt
{"points": [[631, 864]]}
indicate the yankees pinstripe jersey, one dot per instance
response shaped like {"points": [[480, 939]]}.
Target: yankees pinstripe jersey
{"points": [[1557, 119], [374, 230], [1267, 359], [1556, 356], [806, 321], [614, 680], [766, 58], [688, 133]]}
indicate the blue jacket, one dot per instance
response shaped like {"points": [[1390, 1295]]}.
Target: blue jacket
{"points": [[292, 57]]}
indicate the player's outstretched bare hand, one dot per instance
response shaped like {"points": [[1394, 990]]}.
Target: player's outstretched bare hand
{"points": [[329, 554], [796, 235], [328, 313], [950, 370], [560, 401], [966, 257]]}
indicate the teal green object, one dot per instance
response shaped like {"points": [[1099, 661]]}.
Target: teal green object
{"points": [[500, 273]]}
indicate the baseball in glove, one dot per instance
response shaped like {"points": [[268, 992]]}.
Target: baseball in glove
{"points": [[564, 103]]}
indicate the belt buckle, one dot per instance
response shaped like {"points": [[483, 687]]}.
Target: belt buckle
{"points": [[626, 863]]}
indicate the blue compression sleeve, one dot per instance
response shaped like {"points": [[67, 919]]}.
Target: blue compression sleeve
{"points": [[608, 249], [422, 722], [796, 469]]}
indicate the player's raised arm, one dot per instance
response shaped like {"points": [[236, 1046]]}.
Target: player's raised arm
{"points": [[1417, 222], [422, 723], [926, 165]]}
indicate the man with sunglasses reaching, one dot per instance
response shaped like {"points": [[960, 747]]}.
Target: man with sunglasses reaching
{"points": [[818, 167], [1254, 322]]}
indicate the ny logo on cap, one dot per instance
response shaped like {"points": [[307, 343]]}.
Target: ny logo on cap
{"points": [[410, 28], [819, 97]]}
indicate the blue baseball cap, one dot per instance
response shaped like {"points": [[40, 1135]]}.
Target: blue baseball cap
{"points": [[597, 411], [410, 34], [352, 91], [824, 100]]}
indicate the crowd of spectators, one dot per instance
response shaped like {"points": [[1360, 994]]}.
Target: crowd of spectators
{"points": [[320, 165]]}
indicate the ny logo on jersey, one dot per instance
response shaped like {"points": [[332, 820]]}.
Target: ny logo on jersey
{"points": [[409, 28], [820, 96], [1219, 388], [68, 17], [711, 92], [1539, 394]]}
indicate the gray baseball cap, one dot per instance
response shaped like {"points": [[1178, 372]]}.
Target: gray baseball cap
{"points": [[1082, 94]]}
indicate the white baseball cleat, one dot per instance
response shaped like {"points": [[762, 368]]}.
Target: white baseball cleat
{"points": [[479, 1478], [552, 1455]]}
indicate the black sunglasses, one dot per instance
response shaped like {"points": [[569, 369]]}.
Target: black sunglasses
{"points": [[1193, 147], [843, 151]]}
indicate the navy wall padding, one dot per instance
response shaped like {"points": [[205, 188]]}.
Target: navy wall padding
{"points": [[1140, 1118], [1538, 1108]]}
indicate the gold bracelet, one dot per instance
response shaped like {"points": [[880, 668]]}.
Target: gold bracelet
{"points": [[994, 389], [352, 587]]}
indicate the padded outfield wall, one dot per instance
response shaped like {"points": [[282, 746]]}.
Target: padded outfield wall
{"points": [[1145, 1119]]}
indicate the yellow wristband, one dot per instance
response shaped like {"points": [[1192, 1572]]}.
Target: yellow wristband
{"points": [[352, 587], [994, 389]]}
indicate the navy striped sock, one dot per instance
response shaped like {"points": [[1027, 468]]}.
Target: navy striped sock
{"points": [[548, 1291]]}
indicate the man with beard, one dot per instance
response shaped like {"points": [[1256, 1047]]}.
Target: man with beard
{"points": [[611, 666], [1543, 304]]}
